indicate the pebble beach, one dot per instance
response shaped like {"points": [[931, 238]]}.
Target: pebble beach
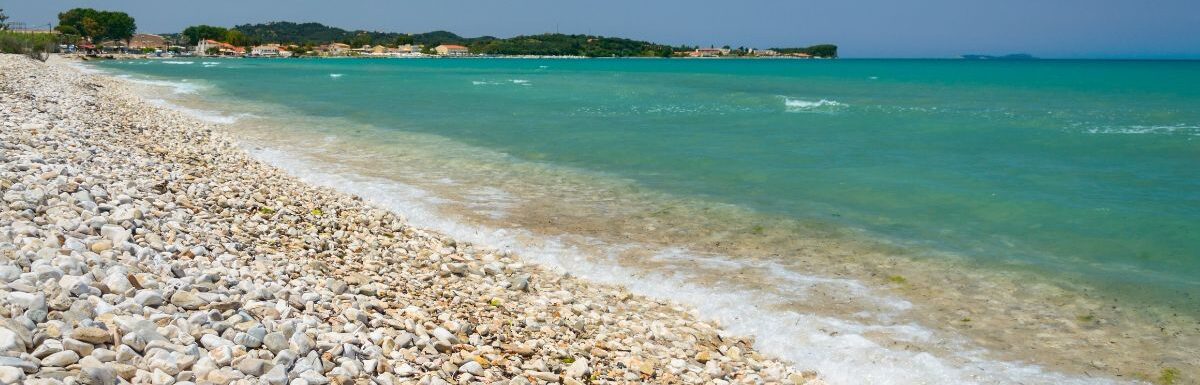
{"points": [[141, 245]]}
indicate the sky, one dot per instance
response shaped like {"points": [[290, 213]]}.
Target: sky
{"points": [[861, 28]]}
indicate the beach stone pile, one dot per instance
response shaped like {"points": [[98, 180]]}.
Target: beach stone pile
{"points": [[138, 245]]}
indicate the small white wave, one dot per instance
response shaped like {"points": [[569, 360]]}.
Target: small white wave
{"points": [[177, 62], [179, 87], [335, 76], [203, 115], [1177, 129], [212, 63], [519, 81], [800, 105], [86, 68], [483, 83]]}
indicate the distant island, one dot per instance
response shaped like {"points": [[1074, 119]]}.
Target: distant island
{"points": [[1015, 56]]}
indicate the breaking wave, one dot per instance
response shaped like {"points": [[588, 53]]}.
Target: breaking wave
{"points": [[800, 105]]}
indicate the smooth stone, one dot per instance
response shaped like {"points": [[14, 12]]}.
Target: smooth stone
{"points": [[11, 375], [96, 375], [117, 234], [472, 367], [47, 348], [10, 342], [223, 376], [275, 341], [101, 246], [92, 335], [301, 343], [253, 366], [9, 273], [148, 297], [104, 355], [578, 369], [187, 300], [61, 359], [276, 376]]}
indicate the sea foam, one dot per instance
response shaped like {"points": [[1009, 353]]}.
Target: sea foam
{"points": [[178, 87], [800, 105]]}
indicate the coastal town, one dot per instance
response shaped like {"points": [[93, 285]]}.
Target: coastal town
{"points": [[152, 45], [89, 33]]}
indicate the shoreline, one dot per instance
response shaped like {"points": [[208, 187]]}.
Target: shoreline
{"points": [[1080, 338], [169, 254]]}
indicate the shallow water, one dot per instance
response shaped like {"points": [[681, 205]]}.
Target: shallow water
{"points": [[908, 221]]}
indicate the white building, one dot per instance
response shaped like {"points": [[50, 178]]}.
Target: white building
{"points": [[270, 50], [203, 46]]}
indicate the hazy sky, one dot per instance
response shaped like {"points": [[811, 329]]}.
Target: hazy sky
{"points": [[862, 28]]}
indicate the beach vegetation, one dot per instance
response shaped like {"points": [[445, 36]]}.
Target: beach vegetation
{"points": [[266, 210], [758, 230], [97, 25], [819, 50], [897, 279], [1168, 376], [34, 45], [317, 212]]}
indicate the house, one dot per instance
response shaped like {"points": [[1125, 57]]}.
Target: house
{"points": [[451, 50], [203, 46], [338, 49], [707, 52], [222, 49], [269, 50], [147, 41], [765, 52]]}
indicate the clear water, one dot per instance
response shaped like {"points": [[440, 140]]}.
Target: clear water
{"points": [[1084, 171]]}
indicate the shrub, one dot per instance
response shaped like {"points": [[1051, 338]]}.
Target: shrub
{"points": [[34, 45]]}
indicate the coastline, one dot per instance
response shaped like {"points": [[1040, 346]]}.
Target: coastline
{"points": [[1077, 335], [169, 254]]}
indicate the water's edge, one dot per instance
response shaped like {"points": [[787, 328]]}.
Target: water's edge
{"points": [[821, 342]]}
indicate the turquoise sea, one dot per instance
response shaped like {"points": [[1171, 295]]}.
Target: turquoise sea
{"points": [[990, 178]]}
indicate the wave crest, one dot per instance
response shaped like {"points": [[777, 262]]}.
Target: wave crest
{"points": [[823, 105]]}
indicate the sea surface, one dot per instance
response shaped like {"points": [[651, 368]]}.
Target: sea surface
{"points": [[878, 221]]}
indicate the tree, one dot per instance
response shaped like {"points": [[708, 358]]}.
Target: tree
{"points": [[3, 20], [212, 51], [196, 33], [118, 25], [236, 38], [359, 40], [404, 39], [97, 25]]}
